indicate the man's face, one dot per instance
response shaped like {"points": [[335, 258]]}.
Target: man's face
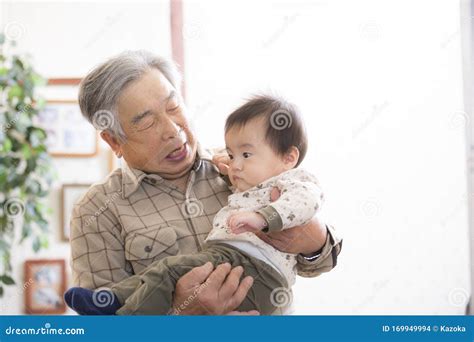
{"points": [[252, 160], [152, 115]]}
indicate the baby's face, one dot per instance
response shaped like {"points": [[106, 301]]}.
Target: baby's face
{"points": [[252, 160]]}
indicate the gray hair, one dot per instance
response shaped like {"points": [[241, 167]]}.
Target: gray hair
{"points": [[100, 90]]}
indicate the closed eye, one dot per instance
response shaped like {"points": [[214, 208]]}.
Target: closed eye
{"points": [[145, 121], [172, 103], [173, 109], [136, 120]]}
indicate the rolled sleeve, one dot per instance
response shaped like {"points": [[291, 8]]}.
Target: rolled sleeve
{"points": [[273, 219], [326, 261]]}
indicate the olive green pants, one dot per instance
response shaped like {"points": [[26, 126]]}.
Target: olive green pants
{"points": [[151, 291]]}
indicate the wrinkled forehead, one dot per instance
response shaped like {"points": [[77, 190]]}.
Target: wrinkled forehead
{"points": [[150, 92]]}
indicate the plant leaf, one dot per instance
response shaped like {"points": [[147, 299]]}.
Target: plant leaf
{"points": [[7, 280], [15, 91]]}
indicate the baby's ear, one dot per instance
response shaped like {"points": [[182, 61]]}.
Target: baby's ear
{"points": [[291, 157]]}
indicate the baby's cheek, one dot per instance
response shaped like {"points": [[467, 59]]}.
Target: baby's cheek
{"points": [[258, 177], [230, 174]]}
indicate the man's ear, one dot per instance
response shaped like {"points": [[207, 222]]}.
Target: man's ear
{"points": [[291, 158], [112, 141]]}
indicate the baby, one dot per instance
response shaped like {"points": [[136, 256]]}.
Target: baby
{"points": [[266, 141]]}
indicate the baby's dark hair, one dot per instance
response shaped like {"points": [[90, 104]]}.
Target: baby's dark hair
{"points": [[285, 127]]}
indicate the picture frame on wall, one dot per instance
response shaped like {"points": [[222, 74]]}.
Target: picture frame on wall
{"points": [[70, 194], [45, 284], [69, 134]]}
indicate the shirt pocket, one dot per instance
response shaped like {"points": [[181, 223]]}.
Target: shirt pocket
{"points": [[144, 247]]}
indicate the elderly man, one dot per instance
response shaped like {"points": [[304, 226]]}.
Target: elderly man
{"points": [[163, 201]]}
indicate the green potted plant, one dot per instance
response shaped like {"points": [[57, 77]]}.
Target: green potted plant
{"points": [[26, 171]]}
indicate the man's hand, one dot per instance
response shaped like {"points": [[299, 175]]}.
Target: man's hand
{"points": [[205, 291], [246, 221], [222, 161], [305, 239]]}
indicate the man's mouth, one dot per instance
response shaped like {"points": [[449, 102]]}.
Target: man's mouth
{"points": [[178, 154]]}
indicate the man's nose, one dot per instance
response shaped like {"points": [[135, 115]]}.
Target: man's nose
{"points": [[169, 128]]}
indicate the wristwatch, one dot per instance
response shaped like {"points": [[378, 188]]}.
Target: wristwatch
{"points": [[312, 257]]}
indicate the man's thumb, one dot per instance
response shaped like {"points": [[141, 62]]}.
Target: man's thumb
{"points": [[223, 168]]}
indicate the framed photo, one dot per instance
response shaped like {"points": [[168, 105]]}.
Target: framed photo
{"points": [[47, 284], [66, 81], [70, 194], [69, 133]]}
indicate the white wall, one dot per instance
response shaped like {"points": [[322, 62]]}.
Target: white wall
{"points": [[67, 40], [380, 85]]}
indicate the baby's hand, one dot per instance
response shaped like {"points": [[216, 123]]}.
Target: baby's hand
{"points": [[246, 221]]}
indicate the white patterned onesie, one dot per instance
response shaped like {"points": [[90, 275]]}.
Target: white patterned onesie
{"points": [[300, 199]]}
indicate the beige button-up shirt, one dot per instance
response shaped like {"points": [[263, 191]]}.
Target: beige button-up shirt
{"points": [[131, 219]]}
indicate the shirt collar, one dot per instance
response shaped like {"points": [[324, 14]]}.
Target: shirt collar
{"points": [[132, 178]]}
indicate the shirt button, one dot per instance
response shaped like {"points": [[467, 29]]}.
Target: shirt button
{"points": [[148, 249]]}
